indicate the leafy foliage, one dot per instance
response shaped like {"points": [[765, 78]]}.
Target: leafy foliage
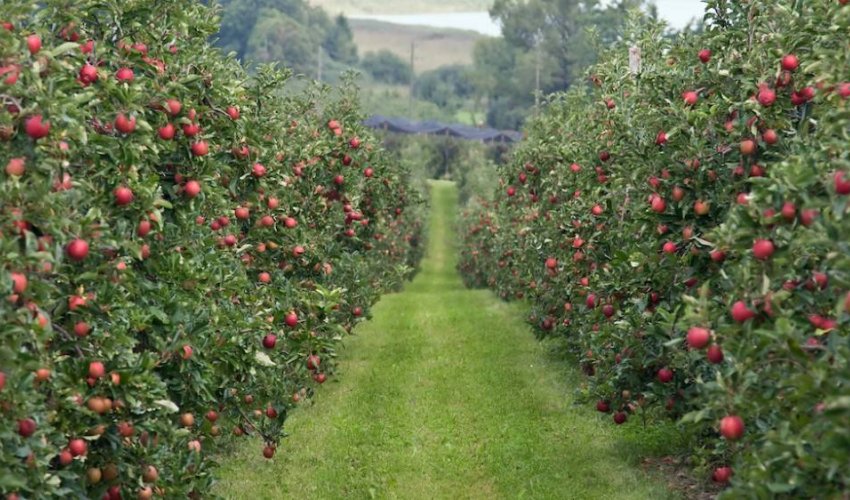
{"points": [[182, 246], [684, 225], [286, 31], [387, 67]]}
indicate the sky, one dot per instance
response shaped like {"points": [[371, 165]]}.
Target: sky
{"points": [[676, 12], [679, 12]]}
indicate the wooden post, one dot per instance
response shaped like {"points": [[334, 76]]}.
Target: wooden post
{"points": [[412, 78]]}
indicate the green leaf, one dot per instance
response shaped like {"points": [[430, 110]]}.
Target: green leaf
{"points": [[263, 359], [168, 405]]}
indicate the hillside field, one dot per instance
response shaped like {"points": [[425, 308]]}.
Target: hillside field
{"points": [[354, 7], [435, 47]]}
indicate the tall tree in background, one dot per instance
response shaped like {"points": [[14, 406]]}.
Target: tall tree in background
{"points": [[339, 42], [548, 38], [288, 31]]}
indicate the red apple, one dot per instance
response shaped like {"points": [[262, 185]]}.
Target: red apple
{"points": [[704, 55], [166, 132], [741, 313], [34, 44], [77, 250], [258, 170], [766, 97], [717, 255], [620, 417], [842, 183], [690, 98], [808, 216], [19, 282], [173, 107], [269, 341], [96, 369], [664, 375], [602, 406], [125, 125], [144, 228], [790, 62], [763, 249], [313, 362], [26, 427], [732, 427], [291, 319], [770, 137], [722, 474], [698, 337], [714, 354], [191, 129], [658, 205], [789, 211], [36, 128], [233, 112], [81, 329], [192, 189], [77, 447], [123, 196], [125, 75], [16, 167], [200, 148]]}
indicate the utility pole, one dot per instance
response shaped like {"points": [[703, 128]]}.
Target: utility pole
{"points": [[319, 76], [412, 79], [537, 79]]}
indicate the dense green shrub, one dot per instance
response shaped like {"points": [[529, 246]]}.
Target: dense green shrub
{"points": [[182, 246], [686, 229], [385, 66]]}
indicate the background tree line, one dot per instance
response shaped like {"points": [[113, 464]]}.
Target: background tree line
{"points": [[546, 45]]}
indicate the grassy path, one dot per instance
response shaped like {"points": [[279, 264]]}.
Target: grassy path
{"points": [[444, 395]]}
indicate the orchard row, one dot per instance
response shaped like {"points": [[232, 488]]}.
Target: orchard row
{"points": [[183, 245], [684, 223]]}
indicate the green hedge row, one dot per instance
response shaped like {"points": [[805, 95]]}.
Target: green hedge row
{"points": [[183, 246], [684, 222]]}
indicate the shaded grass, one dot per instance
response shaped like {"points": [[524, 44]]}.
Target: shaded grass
{"points": [[445, 394]]}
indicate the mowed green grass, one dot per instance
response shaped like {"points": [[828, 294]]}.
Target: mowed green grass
{"points": [[435, 47], [445, 394]]}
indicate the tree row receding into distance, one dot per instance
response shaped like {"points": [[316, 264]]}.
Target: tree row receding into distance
{"points": [[683, 222], [182, 246]]}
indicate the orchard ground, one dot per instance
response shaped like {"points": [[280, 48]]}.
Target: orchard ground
{"points": [[446, 394]]}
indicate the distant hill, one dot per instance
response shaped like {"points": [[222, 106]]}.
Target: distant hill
{"points": [[435, 47], [354, 7]]}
